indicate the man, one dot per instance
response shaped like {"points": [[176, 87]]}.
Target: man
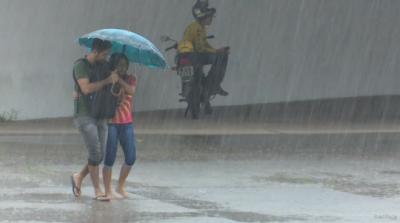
{"points": [[93, 131], [195, 39]]}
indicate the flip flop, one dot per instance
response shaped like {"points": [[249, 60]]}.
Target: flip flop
{"points": [[102, 199], [75, 189]]}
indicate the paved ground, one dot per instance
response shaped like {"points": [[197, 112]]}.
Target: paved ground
{"points": [[210, 172], [173, 123]]}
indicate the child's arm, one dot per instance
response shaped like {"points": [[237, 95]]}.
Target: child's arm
{"points": [[128, 88]]}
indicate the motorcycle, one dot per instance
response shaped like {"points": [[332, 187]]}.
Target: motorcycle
{"points": [[192, 79]]}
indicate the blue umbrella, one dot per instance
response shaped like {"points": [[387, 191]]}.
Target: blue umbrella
{"points": [[137, 48]]}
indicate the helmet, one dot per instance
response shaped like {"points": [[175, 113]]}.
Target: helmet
{"points": [[200, 10], [202, 14]]}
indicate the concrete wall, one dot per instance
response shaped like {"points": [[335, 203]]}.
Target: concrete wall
{"points": [[282, 50]]}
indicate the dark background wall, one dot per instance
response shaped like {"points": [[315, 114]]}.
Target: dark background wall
{"points": [[282, 50]]}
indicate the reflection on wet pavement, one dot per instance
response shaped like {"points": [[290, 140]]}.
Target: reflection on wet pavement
{"points": [[199, 179]]}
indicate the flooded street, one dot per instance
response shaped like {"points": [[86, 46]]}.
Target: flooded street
{"points": [[272, 177]]}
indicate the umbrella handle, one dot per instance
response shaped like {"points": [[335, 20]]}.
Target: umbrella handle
{"points": [[114, 93]]}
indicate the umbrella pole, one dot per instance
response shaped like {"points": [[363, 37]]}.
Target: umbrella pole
{"points": [[123, 49]]}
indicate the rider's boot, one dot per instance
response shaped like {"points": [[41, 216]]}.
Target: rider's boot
{"points": [[222, 92], [207, 108]]}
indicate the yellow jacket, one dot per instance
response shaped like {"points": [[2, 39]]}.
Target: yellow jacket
{"points": [[196, 34]]}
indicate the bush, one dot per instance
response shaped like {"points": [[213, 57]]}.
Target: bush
{"points": [[8, 116]]}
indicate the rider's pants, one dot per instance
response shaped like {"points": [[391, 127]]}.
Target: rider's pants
{"points": [[219, 62]]}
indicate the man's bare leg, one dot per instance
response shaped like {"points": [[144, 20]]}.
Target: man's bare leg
{"points": [[94, 175], [78, 179]]}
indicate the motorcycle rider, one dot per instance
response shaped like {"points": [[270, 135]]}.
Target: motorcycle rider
{"points": [[195, 41]]}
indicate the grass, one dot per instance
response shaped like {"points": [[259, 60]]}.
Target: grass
{"points": [[9, 116]]}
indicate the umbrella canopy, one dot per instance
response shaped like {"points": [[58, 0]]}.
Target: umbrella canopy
{"points": [[137, 48]]}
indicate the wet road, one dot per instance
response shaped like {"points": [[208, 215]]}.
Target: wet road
{"points": [[233, 178]]}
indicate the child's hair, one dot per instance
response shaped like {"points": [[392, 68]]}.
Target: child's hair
{"points": [[116, 58]]}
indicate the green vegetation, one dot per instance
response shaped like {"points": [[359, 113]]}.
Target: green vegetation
{"points": [[8, 116]]}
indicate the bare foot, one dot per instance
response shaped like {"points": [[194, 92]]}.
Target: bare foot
{"points": [[99, 193], [122, 192], [103, 198], [113, 196]]}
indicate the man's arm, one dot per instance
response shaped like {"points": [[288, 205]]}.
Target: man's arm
{"points": [[81, 75], [88, 88]]}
